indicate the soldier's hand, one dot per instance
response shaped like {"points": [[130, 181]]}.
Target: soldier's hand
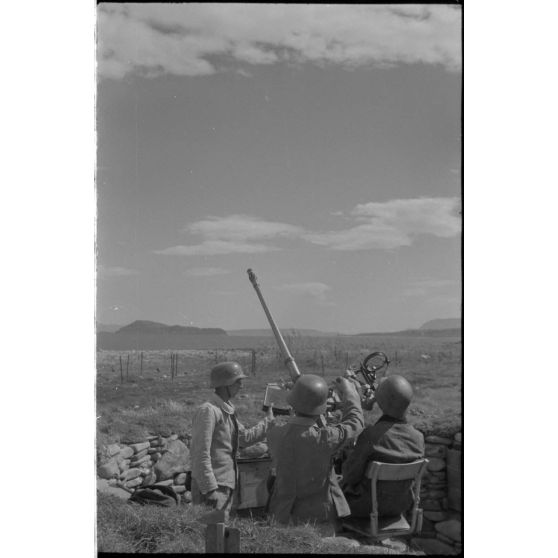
{"points": [[269, 413], [345, 388]]}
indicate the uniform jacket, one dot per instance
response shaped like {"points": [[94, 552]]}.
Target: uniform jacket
{"points": [[306, 487], [216, 437], [389, 440]]}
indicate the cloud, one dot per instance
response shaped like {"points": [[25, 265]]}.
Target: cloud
{"points": [[315, 290], [241, 227], [234, 234], [216, 248], [206, 271], [104, 272], [426, 287], [392, 224], [187, 39]]}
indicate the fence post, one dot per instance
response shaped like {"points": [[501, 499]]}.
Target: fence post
{"points": [[176, 364], [141, 364], [253, 362], [127, 365], [121, 373]]}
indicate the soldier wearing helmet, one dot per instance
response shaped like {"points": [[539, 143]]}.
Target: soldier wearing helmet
{"points": [[306, 487], [390, 440], [216, 437]]}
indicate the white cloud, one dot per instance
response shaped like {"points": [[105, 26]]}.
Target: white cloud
{"points": [[316, 290], [205, 271], [184, 39], [242, 227], [104, 272], [234, 234], [395, 223], [216, 248]]}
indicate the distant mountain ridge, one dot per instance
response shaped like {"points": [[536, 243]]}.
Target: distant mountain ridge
{"points": [[146, 326], [442, 323], [286, 332]]}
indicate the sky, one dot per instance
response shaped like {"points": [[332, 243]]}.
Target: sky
{"points": [[318, 145]]}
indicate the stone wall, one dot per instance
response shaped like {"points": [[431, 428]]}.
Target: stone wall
{"points": [[441, 496], [156, 460]]}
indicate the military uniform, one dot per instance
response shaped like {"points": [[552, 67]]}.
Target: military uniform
{"points": [[306, 487], [216, 436], [390, 440]]}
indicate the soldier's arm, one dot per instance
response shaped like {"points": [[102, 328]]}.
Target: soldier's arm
{"points": [[203, 426]]}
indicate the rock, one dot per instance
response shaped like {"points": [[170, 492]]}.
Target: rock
{"points": [[427, 527], [436, 464], [450, 529], [431, 505], [139, 462], [180, 478], [435, 494], [130, 474], [151, 451], [154, 437], [179, 489], [150, 478], [341, 541], [139, 447], [124, 464], [444, 539], [140, 454], [113, 449], [168, 482], [438, 440], [104, 487], [394, 544], [155, 457], [435, 516], [187, 497], [458, 438], [173, 437], [435, 450], [434, 546], [126, 452], [145, 471], [175, 460], [133, 483], [109, 470]]}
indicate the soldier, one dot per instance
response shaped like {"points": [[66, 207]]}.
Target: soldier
{"points": [[390, 440], [216, 437], [306, 487]]}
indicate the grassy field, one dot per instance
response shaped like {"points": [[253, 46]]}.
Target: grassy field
{"points": [[134, 405]]}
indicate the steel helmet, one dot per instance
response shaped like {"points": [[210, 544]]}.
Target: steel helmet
{"points": [[394, 395], [225, 374], [309, 395]]}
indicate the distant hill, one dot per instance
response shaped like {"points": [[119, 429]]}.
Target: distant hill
{"points": [[145, 326], [109, 328], [146, 335], [446, 323], [285, 332]]}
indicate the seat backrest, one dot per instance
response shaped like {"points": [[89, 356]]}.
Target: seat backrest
{"points": [[395, 471]]}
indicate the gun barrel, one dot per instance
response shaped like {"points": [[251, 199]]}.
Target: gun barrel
{"points": [[289, 360]]}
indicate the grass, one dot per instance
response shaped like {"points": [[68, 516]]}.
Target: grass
{"points": [[125, 527], [155, 403]]}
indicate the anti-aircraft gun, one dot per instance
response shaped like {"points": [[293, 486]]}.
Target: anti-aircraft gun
{"points": [[365, 374]]}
